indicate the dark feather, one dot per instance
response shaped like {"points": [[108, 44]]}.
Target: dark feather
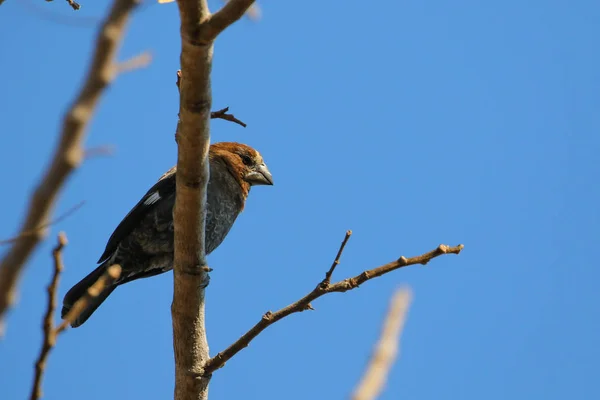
{"points": [[163, 188], [80, 289]]}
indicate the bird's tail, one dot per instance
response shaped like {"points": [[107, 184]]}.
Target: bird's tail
{"points": [[80, 289]]}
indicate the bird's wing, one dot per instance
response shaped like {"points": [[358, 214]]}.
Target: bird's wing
{"points": [[160, 190]]}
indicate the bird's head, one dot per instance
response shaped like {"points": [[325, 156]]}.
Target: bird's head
{"points": [[244, 163]]}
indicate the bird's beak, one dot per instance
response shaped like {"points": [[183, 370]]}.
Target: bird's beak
{"points": [[260, 176]]}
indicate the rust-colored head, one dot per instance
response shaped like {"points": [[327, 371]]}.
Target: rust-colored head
{"points": [[244, 163]]}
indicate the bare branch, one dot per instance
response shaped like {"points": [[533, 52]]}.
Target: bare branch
{"points": [[269, 318], [98, 151], [253, 11], [190, 344], [140, 61], [74, 5], [49, 339], [336, 262], [50, 332], [232, 11], [222, 114], [385, 352], [67, 214], [190, 276], [69, 153]]}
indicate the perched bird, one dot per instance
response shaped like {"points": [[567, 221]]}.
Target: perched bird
{"points": [[142, 244]]}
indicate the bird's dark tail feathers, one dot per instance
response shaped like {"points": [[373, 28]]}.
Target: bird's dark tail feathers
{"points": [[80, 289]]}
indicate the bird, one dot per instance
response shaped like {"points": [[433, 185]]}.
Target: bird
{"points": [[142, 244]]}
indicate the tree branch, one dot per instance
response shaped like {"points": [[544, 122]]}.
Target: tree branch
{"points": [[74, 5], [50, 332], [69, 153], [232, 11], [222, 114], [190, 275], [324, 287], [336, 261], [385, 352]]}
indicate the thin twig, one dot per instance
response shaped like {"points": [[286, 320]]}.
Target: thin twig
{"points": [[69, 152], [136, 62], [50, 332], [99, 151], [384, 354], [222, 114], [336, 262], [74, 5], [49, 339], [60, 218], [269, 318]]}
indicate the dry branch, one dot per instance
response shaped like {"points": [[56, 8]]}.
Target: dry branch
{"points": [[198, 30], [222, 114], [336, 261], [50, 332], [49, 339], [219, 114], [373, 380], [74, 5], [136, 62], [324, 287], [69, 152]]}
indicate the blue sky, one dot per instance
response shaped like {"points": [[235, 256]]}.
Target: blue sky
{"points": [[412, 123]]}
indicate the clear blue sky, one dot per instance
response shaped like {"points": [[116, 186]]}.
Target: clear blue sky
{"points": [[412, 123]]}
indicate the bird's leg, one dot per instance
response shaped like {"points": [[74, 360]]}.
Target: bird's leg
{"points": [[206, 280]]}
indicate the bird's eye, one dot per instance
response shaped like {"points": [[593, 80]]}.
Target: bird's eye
{"points": [[246, 159]]}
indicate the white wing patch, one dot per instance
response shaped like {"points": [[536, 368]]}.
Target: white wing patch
{"points": [[153, 198]]}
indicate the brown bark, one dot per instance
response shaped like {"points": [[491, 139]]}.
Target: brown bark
{"points": [[198, 30]]}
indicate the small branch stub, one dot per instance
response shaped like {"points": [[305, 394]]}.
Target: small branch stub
{"points": [[219, 114]]}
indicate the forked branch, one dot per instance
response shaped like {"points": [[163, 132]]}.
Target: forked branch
{"points": [[50, 331], [323, 288]]}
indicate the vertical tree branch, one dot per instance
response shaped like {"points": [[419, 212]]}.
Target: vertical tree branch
{"points": [[193, 140], [48, 324], [69, 152], [50, 331]]}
